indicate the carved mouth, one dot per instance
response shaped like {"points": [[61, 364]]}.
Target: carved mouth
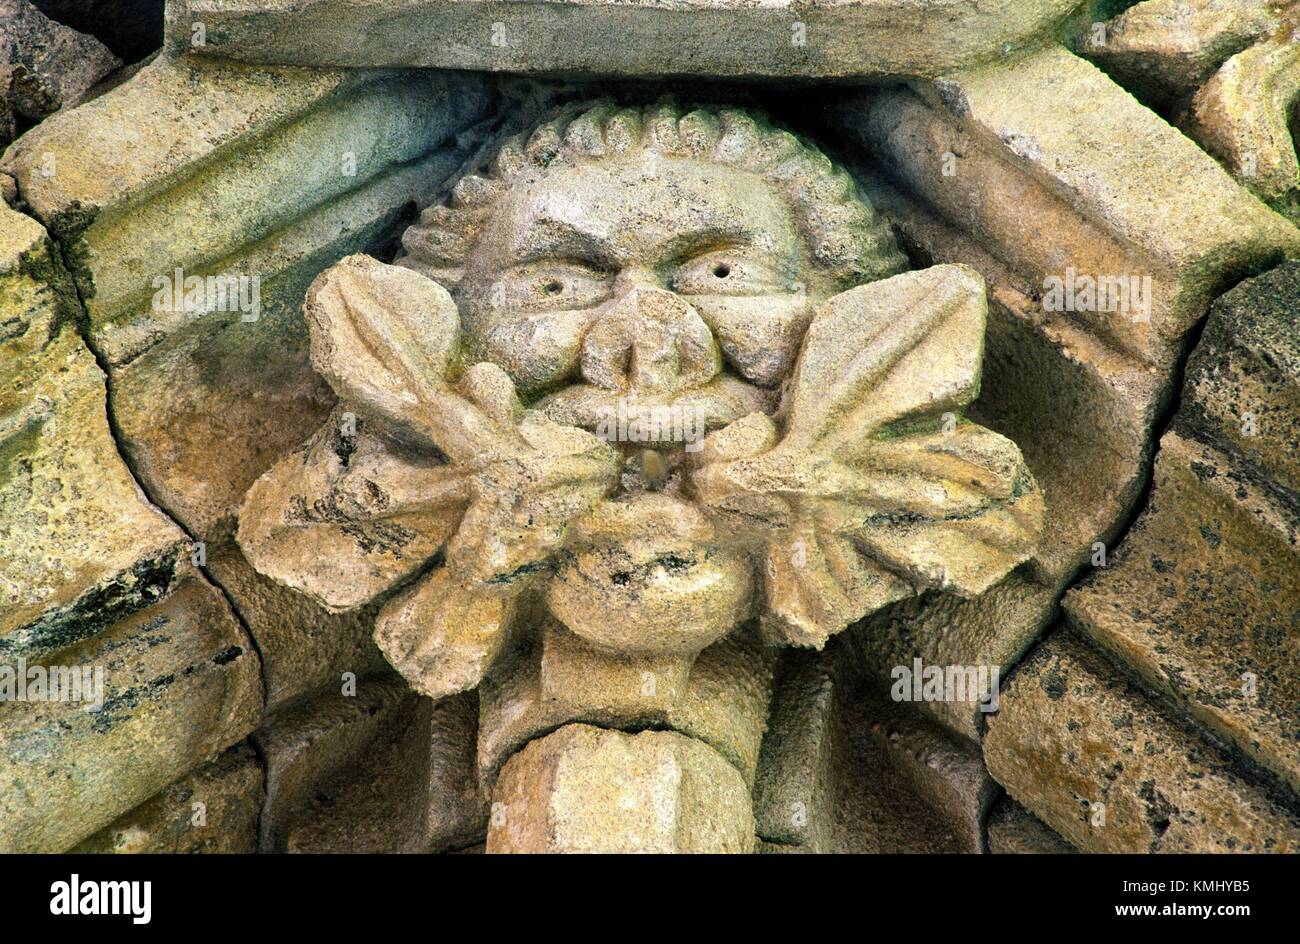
{"points": [[657, 419]]}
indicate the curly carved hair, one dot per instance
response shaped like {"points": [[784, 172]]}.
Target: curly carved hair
{"points": [[849, 242]]}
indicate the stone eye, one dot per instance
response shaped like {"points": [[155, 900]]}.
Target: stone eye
{"points": [[556, 286], [727, 273]]}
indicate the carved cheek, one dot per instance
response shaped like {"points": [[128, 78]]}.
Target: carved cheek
{"points": [[759, 335], [538, 351]]}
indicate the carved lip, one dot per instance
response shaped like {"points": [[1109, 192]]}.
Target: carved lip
{"points": [[714, 405]]}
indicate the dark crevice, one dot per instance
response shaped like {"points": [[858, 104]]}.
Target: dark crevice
{"points": [[131, 29], [264, 808]]}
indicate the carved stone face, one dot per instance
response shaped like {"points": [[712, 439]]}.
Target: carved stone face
{"points": [[642, 276]]}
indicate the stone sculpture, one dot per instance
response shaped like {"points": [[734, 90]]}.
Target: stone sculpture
{"points": [[655, 371]]}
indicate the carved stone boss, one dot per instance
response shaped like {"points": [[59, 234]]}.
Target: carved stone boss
{"points": [[653, 374]]}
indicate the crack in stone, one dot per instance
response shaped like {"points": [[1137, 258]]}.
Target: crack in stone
{"points": [[81, 324]]}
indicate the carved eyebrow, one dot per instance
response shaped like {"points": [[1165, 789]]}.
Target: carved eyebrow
{"points": [[686, 246], [743, 241], [549, 238]]}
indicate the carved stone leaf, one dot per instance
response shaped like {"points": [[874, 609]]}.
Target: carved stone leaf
{"points": [[933, 475], [344, 521], [967, 510], [522, 507], [902, 348], [442, 635], [966, 454], [963, 555], [383, 337], [817, 583], [864, 500], [949, 510], [344, 534], [943, 474]]}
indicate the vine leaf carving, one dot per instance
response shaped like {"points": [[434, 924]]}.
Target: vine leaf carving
{"points": [[878, 488], [437, 463]]}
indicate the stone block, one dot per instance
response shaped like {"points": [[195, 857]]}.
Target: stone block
{"points": [[273, 174], [93, 577], [1054, 167], [279, 173], [44, 65], [1242, 387], [415, 789], [1165, 49], [1242, 116], [180, 684], [1103, 765], [585, 789], [1226, 70], [304, 649], [212, 810], [879, 39], [1200, 599], [83, 546], [309, 747], [839, 772]]}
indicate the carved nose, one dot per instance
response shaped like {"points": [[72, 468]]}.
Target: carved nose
{"points": [[650, 341]]}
